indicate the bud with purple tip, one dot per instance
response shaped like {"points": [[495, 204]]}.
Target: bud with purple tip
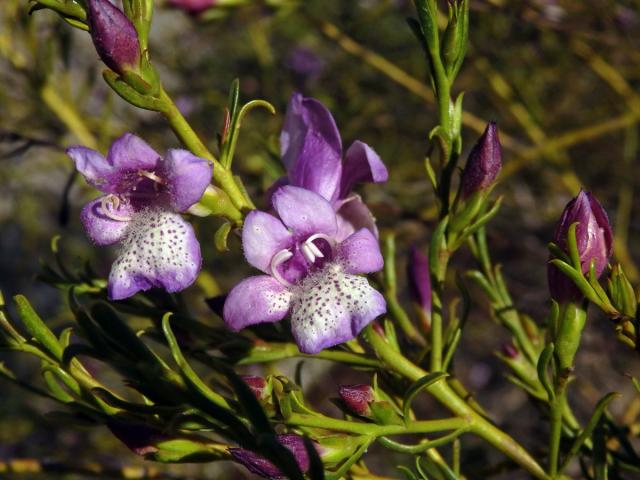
{"points": [[357, 398], [594, 240], [420, 283], [114, 36], [484, 163], [263, 467], [258, 385]]}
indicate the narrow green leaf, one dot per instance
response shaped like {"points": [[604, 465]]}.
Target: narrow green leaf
{"points": [[37, 327], [416, 387], [543, 375], [221, 236], [589, 429], [572, 244]]}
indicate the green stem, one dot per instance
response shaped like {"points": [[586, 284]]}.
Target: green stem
{"points": [[556, 431], [443, 393], [222, 176], [423, 426]]}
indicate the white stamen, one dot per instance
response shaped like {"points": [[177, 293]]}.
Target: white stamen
{"points": [[277, 260], [307, 252], [151, 176], [109, 204], [315, 250]]}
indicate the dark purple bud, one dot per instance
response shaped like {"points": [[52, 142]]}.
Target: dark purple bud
{"points": [[356, 397], [114, 36], [255, 383], [484, 162], [419, 280], [261, 466], [192, 7], [509, 350], [139, 438], [304, 62], [594, 239]]}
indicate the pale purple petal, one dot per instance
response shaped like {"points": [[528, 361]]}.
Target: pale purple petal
{"points": [[159, 249], [361, 164], [332, 307], [259, 299], [131, 153], [360, 253], [304, 211], [187, 177], [353, 215], [311, 147], [92, 166], [105, 228], [263, 236]]}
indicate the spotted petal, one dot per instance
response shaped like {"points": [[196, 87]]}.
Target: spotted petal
{"points": [[263, 236], [105, 228], [159, 249], [311, 147], [360, 253], [304, 211], [259, 299], [187, 177], [92, 166], [331, 307]]}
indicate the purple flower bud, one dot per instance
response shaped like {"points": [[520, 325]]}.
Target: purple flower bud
{"points": [[356, 397], [139, 438], [593, 237], [419, 280], [484, 162], [256, 384], [509, 350], [114, 36], [192, 7], [261, 466]]}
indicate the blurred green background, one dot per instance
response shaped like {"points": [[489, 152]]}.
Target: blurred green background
{"points": [[560, 78]]}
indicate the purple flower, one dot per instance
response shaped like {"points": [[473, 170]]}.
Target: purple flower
{"points": [[114, 36], [594, 238], [357, 397], [263, 467], [143, 195], [419, 280], [310, 272], [311, 150], [484, 162]]}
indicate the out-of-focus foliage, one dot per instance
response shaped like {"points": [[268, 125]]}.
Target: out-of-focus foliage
{"points": [[559, 77]]}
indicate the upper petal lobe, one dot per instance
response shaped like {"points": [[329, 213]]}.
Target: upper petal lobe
{"points": [[361, 164], [263, 236], [304, 211], [311, 147], [187, 177]]}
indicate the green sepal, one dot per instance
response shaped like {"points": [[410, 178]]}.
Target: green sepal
{"points": [[216, 202], [36, 327], [570, 325], [384, 413], [184, 450], [131, 95]]}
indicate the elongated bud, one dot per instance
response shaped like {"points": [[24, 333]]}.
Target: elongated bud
{"points": [[484, 163], [621, 292], [114, 36], [263, 467], [357, 398], [594, 239], [419, 279]]}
